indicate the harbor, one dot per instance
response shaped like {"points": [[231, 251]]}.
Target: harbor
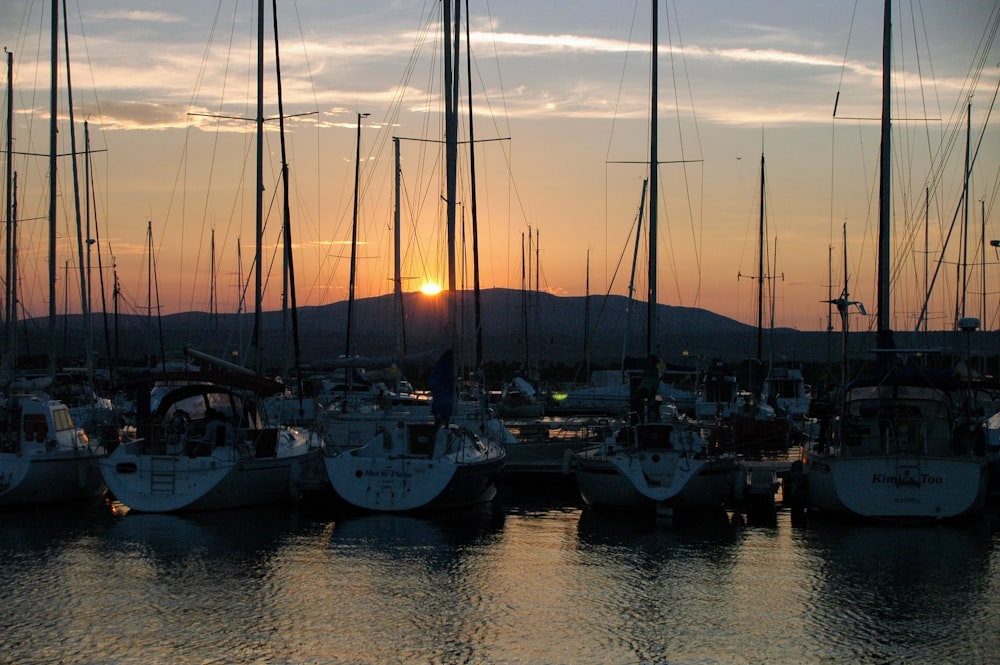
{"points": [[324, 411], [539, 580]]}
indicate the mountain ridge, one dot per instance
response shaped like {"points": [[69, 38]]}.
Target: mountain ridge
{"points": [[553, 326]]}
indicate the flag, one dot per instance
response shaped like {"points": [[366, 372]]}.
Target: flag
{"points": [[442, 385]]}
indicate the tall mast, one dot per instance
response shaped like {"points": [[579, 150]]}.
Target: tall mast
{"points": [[348, 346], [472, 194], [88, 304], [53, 129], [288, 271], [652, 343], [259, 217], [212, 308], [149, 286], [963, 264], [884, 332], [586, 322], [451, 159], [760, 266], [927, 222], [84, 303], [526, 296], [397, 277], [9, 295]]}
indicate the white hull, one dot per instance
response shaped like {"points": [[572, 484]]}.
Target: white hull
{"points": [[45, 459], [58, 477], [640, 478], [896, 487], [348, 431], [225, 479], [388, 475]]}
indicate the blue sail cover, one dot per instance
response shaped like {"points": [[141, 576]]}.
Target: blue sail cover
{"points": [[442, 385]]}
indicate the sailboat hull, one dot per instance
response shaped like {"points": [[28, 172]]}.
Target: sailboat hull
{"points": [[174, 483], [627, 472], [63, 477], [416, 466], [893, 487]]}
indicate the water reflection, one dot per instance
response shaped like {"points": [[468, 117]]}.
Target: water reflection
{"points": [[661, 584], [423, 582], [538, 582], [898, 593]]}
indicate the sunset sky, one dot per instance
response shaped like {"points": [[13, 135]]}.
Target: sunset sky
{"points": [[561, 104]]}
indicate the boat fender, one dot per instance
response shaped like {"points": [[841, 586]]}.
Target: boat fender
{"points": [[567, 461]]}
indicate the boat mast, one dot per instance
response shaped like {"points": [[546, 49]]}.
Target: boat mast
{"points": [[472, 194], [53, 129], [289, 266], [760, 267], [451, 159], [631, 281], [84, 302], [884, 332], [586, 322], [348, 346], [259, 215], [652, 343], [526, 296], [963, 283], [397, 259], [10, 305]]}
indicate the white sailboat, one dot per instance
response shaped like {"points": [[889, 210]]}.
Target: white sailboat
{"points": [[649, 466], [899, 448], [427, 462], [44, 458], [207, 444]]}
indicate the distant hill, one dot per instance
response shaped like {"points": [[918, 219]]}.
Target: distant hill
{"points": [[555, 332]]}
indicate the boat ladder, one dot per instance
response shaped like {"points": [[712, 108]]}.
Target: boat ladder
{"points": [[162, 475]]}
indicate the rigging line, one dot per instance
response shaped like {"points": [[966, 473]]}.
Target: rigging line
{"points": [[843, 66], [695, 237], [90, 63], [954, 219], [621, 81], [180, 176], [215, 143], [508, 153], [672, 246], [328, 259], [319, 153], [611, 134], [614, 275]]}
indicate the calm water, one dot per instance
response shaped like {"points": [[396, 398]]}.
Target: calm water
{"points": [[529, 583]]}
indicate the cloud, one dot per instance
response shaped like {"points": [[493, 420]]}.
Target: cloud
{"points": [[118, 114], [136, 15]]}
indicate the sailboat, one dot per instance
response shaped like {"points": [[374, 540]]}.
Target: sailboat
{"points": [[751, 424], [654, 466], [899, 447], [425, 463], [44, 458], [204, 439]]}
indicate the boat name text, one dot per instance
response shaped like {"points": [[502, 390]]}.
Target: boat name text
{"points": [[906, 480]]}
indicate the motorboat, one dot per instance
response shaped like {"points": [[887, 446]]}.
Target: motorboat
{"points": [[44, 457]]}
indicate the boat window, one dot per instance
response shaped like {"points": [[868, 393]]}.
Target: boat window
{"points": [[35, 427], [868, 408], [62, 420]]}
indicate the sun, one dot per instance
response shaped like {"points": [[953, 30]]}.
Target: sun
{"points": [[430, 288]]}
